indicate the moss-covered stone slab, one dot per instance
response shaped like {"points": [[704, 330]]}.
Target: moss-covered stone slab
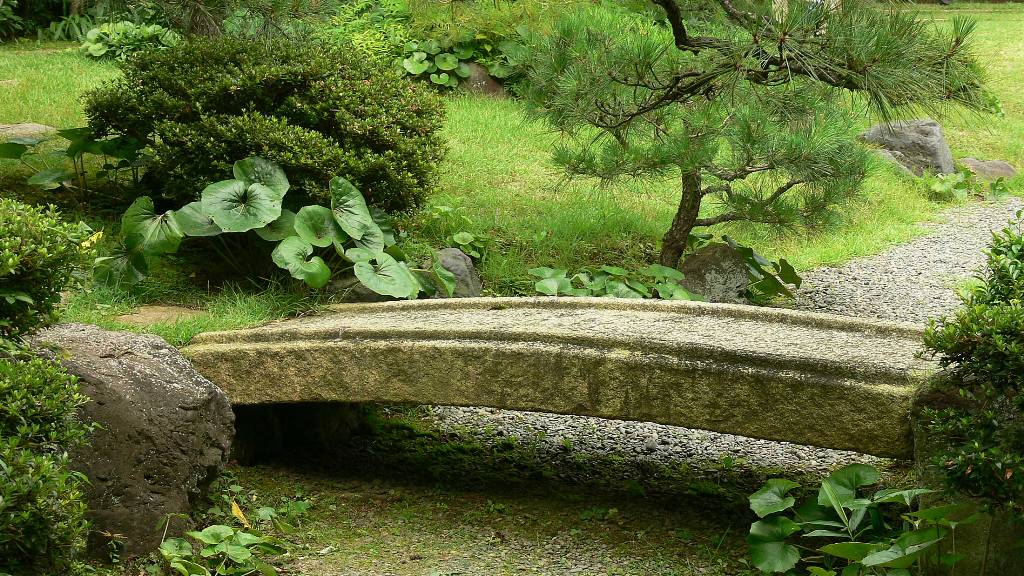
{"points": [[759, 372]]}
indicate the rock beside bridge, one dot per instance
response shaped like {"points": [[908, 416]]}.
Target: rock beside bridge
{"points": [[756, 372], [165, 430], [919, 145]]}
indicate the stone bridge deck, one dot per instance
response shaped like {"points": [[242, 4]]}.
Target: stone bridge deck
{"points": [[765, 373]]}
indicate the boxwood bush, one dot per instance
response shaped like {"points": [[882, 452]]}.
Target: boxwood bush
{"points": [[42, 515], [38, 254], [315, 109], [982, 345]]}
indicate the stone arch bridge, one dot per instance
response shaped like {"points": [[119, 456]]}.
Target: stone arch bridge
{"points": [[759, 372]]}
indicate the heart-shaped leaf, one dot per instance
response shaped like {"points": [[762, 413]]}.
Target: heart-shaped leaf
{"points": [[445, 277], [237, 207], [415, 67], [12, 150], [149, 232], [122, 266], [446, 61], [256, 170], [353, 215], [387, 276], [194, 222], [773, 497], [845, 482], [769, 551], [50, 178], [279, 229], [294, 255], [441, 78], [384, 223], [213, 534], [359, 254], [316, 225]]}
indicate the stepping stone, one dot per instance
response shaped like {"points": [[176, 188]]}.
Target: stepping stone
{"points": [[147, 315], [989, 169], [26, 129]]}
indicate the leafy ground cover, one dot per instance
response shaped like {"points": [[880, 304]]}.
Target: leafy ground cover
{"points": [[499, 183]]}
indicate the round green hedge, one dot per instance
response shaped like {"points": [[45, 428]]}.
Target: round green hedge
{"points": [[38, 254], [317, 110]]}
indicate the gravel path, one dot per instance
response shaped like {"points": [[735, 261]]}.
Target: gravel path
{"points": [[909, 282]]}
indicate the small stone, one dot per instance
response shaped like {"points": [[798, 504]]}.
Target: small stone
{"points": [[25, 130], [920, 143], [467, 280], [481, 82], [716, 272], [989, 169]]}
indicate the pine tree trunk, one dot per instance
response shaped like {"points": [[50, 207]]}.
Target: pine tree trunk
{"points": [[673, 244]]}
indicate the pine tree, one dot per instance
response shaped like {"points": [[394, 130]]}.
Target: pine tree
{"points": [[750, 103]]}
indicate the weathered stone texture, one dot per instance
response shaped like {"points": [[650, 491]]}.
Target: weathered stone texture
{"points": [[917, 144], [165, 430], [764, 373]]}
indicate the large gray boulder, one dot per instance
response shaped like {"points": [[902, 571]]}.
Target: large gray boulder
{"points": [[165, 430], [716, 272], [917, 144]]}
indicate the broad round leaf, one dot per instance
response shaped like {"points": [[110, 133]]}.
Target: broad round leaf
{"points": [[445, 277], [387, 276], [353, 215], [293, 254], [194, 222], [236, 207], [772, 497], [316, 225], [279, 229], [359, 254], [414, 66], [845, 482], [769, 551], [256, 170], [122, 266], [446, 61], [144, 230]]}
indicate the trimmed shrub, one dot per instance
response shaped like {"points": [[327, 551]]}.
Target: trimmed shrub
{"points": [[983, 346], [38, 254], [42, 515], [317, 110]]}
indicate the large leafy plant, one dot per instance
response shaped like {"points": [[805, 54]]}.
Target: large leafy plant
{"points": [[221, 551], [349, 233], [654, 281], [119, 40], [848, 529]]}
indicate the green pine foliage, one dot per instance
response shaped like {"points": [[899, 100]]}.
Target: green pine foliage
{"points": [[317, 110], [744, 103], [982, 343]]}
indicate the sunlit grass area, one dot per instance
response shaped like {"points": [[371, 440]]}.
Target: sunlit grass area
{"points": [[499, 178]]}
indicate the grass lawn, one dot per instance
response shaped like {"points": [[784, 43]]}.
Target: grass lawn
{"points": [[499, 178]]}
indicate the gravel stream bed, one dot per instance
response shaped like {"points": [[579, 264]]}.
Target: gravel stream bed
{"points": [[909, 282]]}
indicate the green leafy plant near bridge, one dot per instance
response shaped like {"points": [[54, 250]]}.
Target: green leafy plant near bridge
{"points": [[981, 430], [349, 233], [848, 529], [42, 515]]}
